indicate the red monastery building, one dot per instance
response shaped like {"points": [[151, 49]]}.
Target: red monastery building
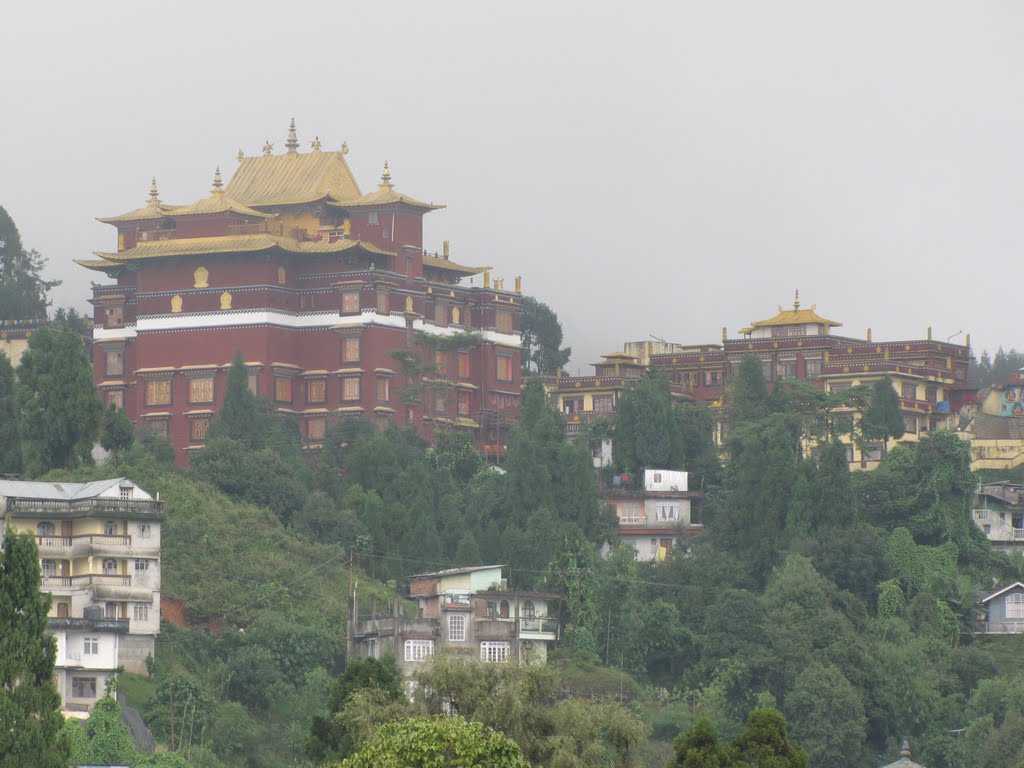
{"points": [[317, 285]]}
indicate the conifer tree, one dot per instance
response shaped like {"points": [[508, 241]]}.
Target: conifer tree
{"points": [[748, 396], [116, 434], [883, 419], [468, 552], [240, 416], [59, 411], [30, 719], [10, 440], [22, 289]]}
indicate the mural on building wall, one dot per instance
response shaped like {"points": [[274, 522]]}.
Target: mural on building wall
{"points": [[1011, 401]]}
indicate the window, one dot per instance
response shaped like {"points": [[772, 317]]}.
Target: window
{"points": [[668, 512], [813, 367], [200, 390], [91, 646], [50, 568], [63, 610], [872, 452], [141, 612], [504, 367], [158, 392], [45, 529], [350, 349], [987, 528], [440, 402], [441, 363], [316, 428], [711, 378], [144, 530], [440, 313], [383, 389], [910, 423], [463, 365], [839, 386], [350, 388], [503, 320], [1015, 605], [465, 403], [456, 628], [254, 382], [282, 389], [418, 650], [158, 427], [657, 477], [908, 391], [198, 427], [125, 492], [115, 317], [110, 528], [115, 397], [529, 610], [141, 566], [110, 568], [930, 393], [495, 651], [350, 302], [372, 218], [604, 404], [115, 362], [766, 369], [371, 647], [382, 302], [83, 687], [786, 369], [316, 391]]}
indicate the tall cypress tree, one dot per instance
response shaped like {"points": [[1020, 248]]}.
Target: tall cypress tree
{"points": [[30, 719], [748, 396], [241, 417], [883, 419], [23, 292], [10, 440]]}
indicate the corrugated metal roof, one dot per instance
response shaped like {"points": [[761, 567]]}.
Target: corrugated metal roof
{"points": [[291, 179], [457, 571], [34, 489]]}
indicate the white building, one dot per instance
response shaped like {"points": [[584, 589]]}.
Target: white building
{"points": [[99, 547], [656, 517]]}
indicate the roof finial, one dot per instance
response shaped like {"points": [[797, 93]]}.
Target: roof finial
{"points": [[268, 148], [796, 300], [292, 145], [315, 144], [240, 156], [154, 194], [905, 749], [385, 178], [218, 184], [344, 147]]}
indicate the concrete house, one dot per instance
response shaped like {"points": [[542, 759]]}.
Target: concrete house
{"points": [[999, 512], [1004, 611], [99, 550], [658, 516], [469, 612]]}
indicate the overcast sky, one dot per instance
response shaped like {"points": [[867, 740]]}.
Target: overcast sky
{"points": [[649, 168]]}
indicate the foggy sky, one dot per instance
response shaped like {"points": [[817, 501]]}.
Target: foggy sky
{"points": [[649, 168]]}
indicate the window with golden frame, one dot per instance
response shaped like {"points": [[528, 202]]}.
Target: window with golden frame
{"points": [[316, 428], [198, 426], [440, 402], [382, 302], [350, 388], [158, 427], [463, 365], [200, 390], [465, 402], [441, 363], [350, 349], [158, 392], [504, 372], [503, 320], [316, 391], [254, 382], [115, 397], [383, 389], [115, 362], [440, 313], [282, 389], [350, 302]]}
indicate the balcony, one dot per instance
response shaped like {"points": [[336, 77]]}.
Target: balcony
{"points": [[530, 628], [91, 544], [55, 508], [1001, 627]]}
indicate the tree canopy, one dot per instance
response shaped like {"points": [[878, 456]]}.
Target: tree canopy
{"points": [[542, 339], [23, 291]]}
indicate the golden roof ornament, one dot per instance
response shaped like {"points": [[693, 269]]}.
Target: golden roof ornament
{"points": [[385, 177], [218, 183], [796, 300], [292, 144], [315, 144], [268, 148], [344, 147], [154, 194], [240, 156]]}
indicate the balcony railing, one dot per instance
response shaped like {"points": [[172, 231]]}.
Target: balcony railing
{"points": [[1018, 534], [68, 542], [57, 508], [87, 579]]}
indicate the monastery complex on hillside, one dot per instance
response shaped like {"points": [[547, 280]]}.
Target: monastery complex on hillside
{"points": [[317, 285]]}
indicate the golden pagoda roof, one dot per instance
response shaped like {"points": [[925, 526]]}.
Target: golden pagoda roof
{"points": [[99, 265], [386, 195], [794, 316], [198, 246], [292, 179], [147, 212], [218, 201], [437, 262]]}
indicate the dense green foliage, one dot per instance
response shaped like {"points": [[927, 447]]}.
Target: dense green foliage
{"points": [[59, 412], [437, 742], [10, 440], [542, 339], [883, 419], [116, 433], [988, 370], [30, 720], [23, 291], [763, 743]]}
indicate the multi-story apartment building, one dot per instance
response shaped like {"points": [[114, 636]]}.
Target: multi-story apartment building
{"points": [[656, 514], [999, 512], [99, 547], [467, 612], [325, 291]]}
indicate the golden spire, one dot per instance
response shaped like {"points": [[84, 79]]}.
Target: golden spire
{"points": [[240, 156], [154, 194], [344, 147], [316, 144], [268, 148], [796, 300], [218, 184], [385, 178], [292, 144]]}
